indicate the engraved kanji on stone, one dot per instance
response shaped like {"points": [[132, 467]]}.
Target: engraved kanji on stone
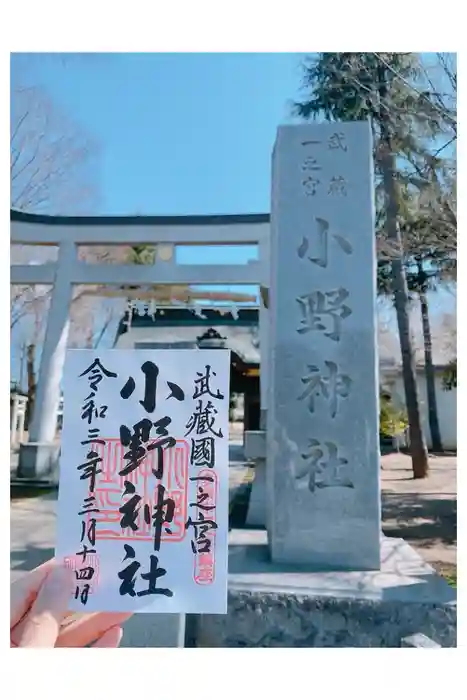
{"points": [[317, 305], [309, 185], [338, 186], [337, 142], [311, 164], [323, 244], [323, 467], [330, 385]]}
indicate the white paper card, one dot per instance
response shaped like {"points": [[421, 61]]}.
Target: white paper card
{"points": [[144, 483]]}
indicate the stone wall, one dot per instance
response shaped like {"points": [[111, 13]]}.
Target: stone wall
{"points": [[258, 619]]}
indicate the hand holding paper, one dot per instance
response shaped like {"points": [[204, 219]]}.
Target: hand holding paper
{"points": [[38, 616], [143, 501]]}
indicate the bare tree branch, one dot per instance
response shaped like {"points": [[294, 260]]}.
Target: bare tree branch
{"points": [[51, 170]]}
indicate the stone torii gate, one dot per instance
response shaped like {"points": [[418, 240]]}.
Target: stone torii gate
{"points": [[39, 456]]}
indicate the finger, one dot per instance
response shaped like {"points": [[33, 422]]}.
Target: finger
{"points": [[24, 590], [16, 632], [110, 639], [41, 625], [86, 629]]}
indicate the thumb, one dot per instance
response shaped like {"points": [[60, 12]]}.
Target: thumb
{"points": [[42, 623]]}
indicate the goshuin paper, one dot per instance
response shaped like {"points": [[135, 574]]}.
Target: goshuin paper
{"points": [[143, 499]]}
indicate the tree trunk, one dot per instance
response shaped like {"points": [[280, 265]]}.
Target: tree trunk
{"points": [[418, 448], [31, 375], [430, 376]]}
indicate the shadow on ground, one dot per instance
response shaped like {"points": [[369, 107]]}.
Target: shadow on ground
{"points": [[428, 520], [389, 449], [238, 509], [20, 491], [420, 517], [29, 558]]}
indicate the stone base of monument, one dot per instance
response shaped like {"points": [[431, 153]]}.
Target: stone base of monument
{"points": [[277, 606], [154, 630], [39, 460]]}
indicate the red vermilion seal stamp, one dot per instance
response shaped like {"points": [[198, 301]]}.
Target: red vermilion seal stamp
{"points": [[110, 486], [204, 562]]}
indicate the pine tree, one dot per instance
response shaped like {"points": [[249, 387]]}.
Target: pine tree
{"points": [[387, 89]]}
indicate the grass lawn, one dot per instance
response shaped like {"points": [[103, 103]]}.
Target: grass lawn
{"points": [[447, 571], [451, 577]]}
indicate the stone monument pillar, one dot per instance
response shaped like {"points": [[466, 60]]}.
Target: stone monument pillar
{"points": [[323, 431]]}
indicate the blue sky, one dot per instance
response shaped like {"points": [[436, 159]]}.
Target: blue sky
{"points": [[177, 133]]}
